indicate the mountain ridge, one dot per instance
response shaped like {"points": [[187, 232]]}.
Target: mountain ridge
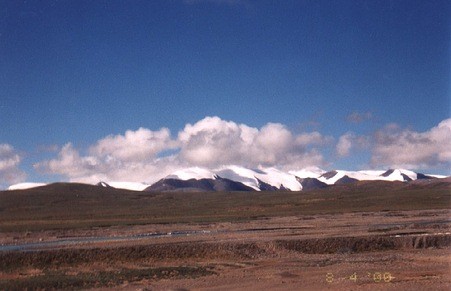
{"points": [[237, 178]]}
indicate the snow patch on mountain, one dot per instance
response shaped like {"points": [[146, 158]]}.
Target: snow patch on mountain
{"points": [[27, 185], [281, 179], [312, 172], [373, 173], [399, 175], [240, 174], [266, 178], [331, 177], [369, 175], [129, 185], [252, 177], [192, 173], [437, 176]]}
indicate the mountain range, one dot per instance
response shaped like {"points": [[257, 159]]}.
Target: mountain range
{"points": [[237, 178]]}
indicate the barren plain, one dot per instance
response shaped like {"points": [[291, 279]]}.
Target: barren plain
{"points": [[365, 236]]}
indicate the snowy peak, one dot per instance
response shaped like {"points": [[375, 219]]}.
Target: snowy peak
{"points": [[238, 178], [342, 177], [23, 186], [192, 173], [402, 175], [272, 179], [103, 184], [268, 178], [399, 175], [134, 186], [282, 180], [311, 172], [248, 177]]}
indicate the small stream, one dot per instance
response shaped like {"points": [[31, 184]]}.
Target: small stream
{"points": [[94, 239], [34, 246], [68, 241]]}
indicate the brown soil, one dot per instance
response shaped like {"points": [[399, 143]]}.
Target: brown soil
{"points": [[386, 250]]}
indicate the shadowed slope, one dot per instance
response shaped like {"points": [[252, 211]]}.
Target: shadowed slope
{"points": [[78, 205]]}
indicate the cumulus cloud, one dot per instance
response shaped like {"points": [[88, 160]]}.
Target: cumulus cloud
{"points": [[70, 163], [313, 138], [349, 141], [396, 147], [357, 117], [213, 139], [210, 142], [144, 155], [128, 157], [142, 144], [10, 160], [344, 144]]}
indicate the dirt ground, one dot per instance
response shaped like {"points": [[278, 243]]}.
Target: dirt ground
{"points": [[388, 250], [390, 270]]}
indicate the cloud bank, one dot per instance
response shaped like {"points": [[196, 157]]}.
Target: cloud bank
{"points": [[411, 149], [350, 141], [145, 155], [10, 160], [210, 142]]}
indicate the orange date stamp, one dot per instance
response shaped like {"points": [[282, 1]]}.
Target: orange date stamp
{"points": [[377, 277]]}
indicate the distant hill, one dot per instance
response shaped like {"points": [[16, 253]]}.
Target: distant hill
{"points": [[82, 206], [237, 178]]}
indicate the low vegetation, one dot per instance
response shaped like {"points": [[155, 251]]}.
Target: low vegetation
{"points": [[52, 279], [72, 206]]}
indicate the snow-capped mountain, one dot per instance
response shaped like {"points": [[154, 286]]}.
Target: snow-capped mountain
{"points": [[134, 186], [192, 173], [27, 185], [311, 172], [270, 179], [339, 176], [258, 178], [238, 178]]}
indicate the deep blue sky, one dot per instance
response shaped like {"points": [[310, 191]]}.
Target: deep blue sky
{"points": [[76, 71]]}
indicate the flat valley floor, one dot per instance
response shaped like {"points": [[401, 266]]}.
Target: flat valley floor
{"points": [[385, 249]]}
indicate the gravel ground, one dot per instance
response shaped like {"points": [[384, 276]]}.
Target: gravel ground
{"points": [[402, 250]]}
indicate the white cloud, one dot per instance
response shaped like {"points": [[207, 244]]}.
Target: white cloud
{"points": [[210, 142], [128, 157], [313, 138], [142, 144], [344, 144], [70, 163], [10, 160], [213, 142], [350, 141], [395, 147], [146, 156]]}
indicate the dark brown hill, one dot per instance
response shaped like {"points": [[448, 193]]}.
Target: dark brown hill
{"points": [[205, 185], [83, 206]]}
